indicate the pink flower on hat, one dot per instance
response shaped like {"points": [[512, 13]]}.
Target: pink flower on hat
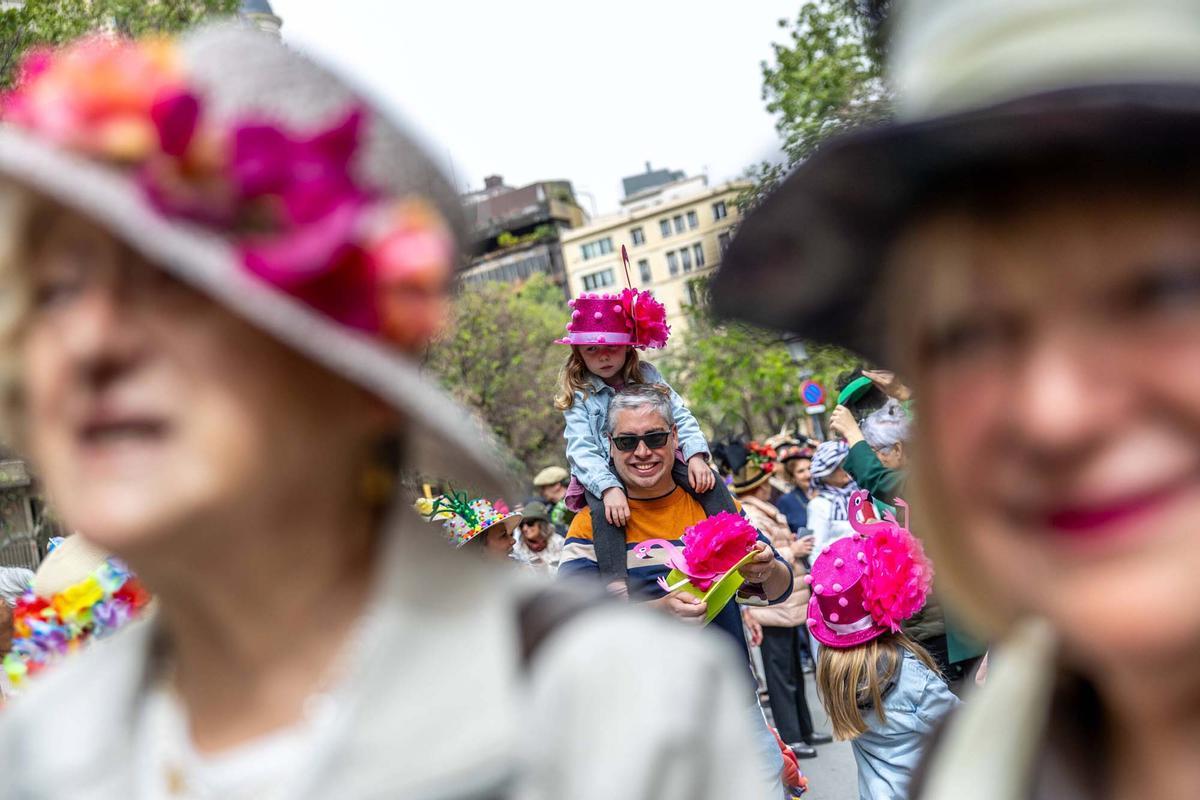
{"points": [[649, 318], [289, 200], [97, 95], [898, 576]]}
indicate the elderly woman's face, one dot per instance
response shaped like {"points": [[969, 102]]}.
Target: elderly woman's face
{"points": [[1058, 368], [149, 410]]}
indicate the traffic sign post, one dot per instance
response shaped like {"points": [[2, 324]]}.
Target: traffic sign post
{"points": [[814, 398]]}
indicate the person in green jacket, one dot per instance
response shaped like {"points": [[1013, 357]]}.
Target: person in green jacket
{"points": [[878, 461]]}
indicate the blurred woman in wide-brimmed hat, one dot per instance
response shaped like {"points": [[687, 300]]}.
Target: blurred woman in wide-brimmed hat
{"points": [[219, 263], [1025, 239]]}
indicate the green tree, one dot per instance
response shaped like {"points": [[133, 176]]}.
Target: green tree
{"points": [[825, 78], [740, 380], [501, 360], [57, 21]]}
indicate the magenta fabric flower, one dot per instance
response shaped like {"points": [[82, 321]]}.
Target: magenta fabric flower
{"points": [[649, 318], [713, 546], [898, 576], [287, 199]]}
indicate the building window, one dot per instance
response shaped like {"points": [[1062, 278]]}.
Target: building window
{"points": [[599, 280], [723, 241], [597, 248], [685, 257], [679, 223], [693, 219], [698, 251], [664, 227], [719, 210], [673, 263], [638, 236], [644, 269]]}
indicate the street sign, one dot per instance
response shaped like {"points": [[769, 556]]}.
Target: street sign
{"points": [[813, 395], [816, 409]]}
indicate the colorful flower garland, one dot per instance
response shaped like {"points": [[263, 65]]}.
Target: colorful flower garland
{"points": [[289, 200], [46, 630]]}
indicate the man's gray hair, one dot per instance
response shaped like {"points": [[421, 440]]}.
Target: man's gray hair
{"points": [[641, 395]]}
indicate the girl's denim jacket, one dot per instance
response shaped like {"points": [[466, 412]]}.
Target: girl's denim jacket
{"points": [[587, 433]]}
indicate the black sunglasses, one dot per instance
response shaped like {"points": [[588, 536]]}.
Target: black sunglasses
{"points": [[653, 440]]}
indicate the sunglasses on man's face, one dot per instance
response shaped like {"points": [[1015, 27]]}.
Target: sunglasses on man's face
{"points": [[654, 440]]}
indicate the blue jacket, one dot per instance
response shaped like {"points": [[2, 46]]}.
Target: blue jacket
{"points": [[587, 434], [794, 506], [889, 751]]}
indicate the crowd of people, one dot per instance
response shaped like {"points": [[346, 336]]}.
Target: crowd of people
{"points": [[221, 263], [642, 476]]}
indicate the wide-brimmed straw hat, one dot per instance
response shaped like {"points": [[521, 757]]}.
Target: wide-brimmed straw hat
{"points": [[181, 146], [979, 84]]}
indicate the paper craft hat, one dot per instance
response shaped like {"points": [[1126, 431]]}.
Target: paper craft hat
{"points": [[266, 182], [632, 317], [865, 585], [465, 519]]}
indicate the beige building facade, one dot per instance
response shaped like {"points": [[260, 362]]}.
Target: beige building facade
{"points": [[675, 235]]}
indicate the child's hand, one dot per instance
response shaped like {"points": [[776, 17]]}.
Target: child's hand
{"points": [[616, 507], [700, 475]]}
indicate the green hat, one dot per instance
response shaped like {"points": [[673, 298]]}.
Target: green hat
{"points": [[535, 512], [854, 390]]}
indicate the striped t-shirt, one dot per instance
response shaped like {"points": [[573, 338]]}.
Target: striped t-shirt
{"points": [[664, 517]]}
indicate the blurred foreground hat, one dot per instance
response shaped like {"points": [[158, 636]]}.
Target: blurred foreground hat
{"points": [[535, 512], [271, 185], [550, 476], [978, 83]]}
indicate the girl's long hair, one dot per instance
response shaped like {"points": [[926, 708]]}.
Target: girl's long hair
{"points": [[852, 680], [574, 376]]}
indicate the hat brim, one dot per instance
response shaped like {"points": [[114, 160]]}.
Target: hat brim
{"points": [[443, 438], [510, 523], [801, 260], [743, 488], [824, 634]]}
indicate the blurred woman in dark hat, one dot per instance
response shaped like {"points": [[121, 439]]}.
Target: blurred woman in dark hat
{"points": [[1029, 231]]}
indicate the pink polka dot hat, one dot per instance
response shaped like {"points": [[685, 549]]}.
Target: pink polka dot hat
{"points": [[866, 584], [631, 317]]}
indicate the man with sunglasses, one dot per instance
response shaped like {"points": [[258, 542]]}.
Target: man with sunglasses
{"points": [[642, 443]]}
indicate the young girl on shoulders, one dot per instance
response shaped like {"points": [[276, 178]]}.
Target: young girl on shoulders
{"points": [[881, 690], [605, 333]]}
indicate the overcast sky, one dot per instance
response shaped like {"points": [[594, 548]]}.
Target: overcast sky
{"points": [[534, 90]]}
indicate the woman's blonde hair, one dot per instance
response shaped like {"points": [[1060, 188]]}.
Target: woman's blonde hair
{"points": [[574, 376], [853, 680]]}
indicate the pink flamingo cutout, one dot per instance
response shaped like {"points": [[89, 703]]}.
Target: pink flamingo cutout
{"points": [[675, 560]]}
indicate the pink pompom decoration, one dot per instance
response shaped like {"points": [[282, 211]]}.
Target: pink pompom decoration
{"points": [[713, 546], [897, 577], [649, 318]]}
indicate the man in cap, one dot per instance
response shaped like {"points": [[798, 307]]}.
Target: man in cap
{"points": [[551, 485], [538, 544]]}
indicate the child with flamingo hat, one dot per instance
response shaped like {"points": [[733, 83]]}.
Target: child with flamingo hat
{"points": [[881, 690], [605, 333]]}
